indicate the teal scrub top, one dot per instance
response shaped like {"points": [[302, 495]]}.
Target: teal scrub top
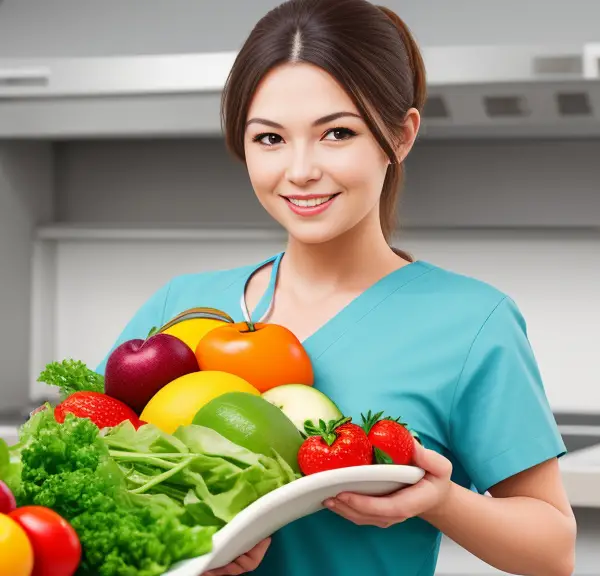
{"points": [[446, 352]]}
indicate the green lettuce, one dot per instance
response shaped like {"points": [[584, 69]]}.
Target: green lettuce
{"points": [[139, 500], [67, 468], [211, 477]]}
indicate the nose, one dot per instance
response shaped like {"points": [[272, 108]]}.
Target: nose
{"points": [[303, 167]]}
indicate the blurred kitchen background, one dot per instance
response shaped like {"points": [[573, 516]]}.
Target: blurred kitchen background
{"points": [[114, 178]]}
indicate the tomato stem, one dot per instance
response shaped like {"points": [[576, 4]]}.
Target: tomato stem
{"points": [[251, 326]]}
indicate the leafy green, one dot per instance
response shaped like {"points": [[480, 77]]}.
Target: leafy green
{"points": [[67, 468], [211, 477], [4, 457], [9, 471], [71, 376], [139, 500]]}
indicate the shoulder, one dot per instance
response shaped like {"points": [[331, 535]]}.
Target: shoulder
{"points": [[456, 284], [463, 299]]}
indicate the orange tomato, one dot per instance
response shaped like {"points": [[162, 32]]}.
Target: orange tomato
{"points": [[265, 355]]}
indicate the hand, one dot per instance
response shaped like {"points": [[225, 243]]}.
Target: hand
{"points": [[245, 563], [425, 496]]}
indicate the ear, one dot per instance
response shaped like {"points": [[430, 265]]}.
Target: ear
{"points": [[409, 131]]}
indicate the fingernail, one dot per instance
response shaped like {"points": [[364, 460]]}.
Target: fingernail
{"points": [[329, 503]]}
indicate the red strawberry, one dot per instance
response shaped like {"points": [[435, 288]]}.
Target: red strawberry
{"points": [[338, 444], [101, 409], [392, 441]]}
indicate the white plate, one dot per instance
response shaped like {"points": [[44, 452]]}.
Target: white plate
{"points": [[299, 498]]}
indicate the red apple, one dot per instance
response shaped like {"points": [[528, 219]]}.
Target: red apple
{"points": [[7, 500], [137, 369]]}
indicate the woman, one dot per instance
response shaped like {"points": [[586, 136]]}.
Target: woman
{"points": [[322, 105]]}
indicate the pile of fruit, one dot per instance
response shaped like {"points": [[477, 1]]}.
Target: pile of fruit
{"points": [[136, 470]]}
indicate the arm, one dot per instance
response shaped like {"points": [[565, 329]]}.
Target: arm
{"points": [[527, 527]]}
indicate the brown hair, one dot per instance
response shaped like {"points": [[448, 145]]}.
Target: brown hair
{"points": [[367, 48]]}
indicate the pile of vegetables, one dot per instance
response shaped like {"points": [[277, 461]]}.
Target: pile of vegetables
{"points": [[138, 500], [135, 471]]}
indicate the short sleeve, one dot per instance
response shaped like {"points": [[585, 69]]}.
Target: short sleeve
{"points": [[501, 422], [150, 314]]}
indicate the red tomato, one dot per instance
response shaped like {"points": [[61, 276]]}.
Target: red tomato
{"points": [[56, 546]]}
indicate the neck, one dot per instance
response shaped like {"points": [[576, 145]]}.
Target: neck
{"points": [[351, 261]]}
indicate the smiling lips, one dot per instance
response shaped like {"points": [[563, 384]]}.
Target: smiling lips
{"points": [[310, 204]]}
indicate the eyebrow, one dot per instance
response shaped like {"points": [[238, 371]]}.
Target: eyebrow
{"points": [[318, 122]]}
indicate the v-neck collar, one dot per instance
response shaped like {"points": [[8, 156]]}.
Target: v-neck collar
{"points": [[329, 332]]}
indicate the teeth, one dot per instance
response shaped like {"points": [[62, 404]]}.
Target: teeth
{"points": [[310, 202]]}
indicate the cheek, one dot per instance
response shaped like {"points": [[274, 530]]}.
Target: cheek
{"points": [[263, 171], [359, 169]]}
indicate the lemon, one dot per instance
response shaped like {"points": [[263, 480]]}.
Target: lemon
{"points": [[16, 550], [191, 331], [177, 403]]}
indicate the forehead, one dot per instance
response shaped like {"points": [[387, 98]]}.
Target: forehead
{"points": [[299, 91]]}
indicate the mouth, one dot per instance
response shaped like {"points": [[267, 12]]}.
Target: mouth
{"points": [[310, 201], [310, 205]]}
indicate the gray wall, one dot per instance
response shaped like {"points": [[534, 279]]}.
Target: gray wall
{"points": [[90, 28], [511, 183], [449, 183], [25, 200]]}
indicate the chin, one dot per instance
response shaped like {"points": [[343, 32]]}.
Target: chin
{"points": [[321, 229], [314, 232]]}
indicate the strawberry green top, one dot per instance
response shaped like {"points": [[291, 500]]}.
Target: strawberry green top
{"points": [[447, 353]]}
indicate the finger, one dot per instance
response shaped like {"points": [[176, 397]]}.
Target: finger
{"points": [[432, 462], [232, 569], [245, 562], [380, 506], [229, 570], [259, 551], [360, 519], [253, 557]]}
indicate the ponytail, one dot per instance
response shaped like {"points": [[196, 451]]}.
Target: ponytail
{"points": [[415, 59], [416, 98]]}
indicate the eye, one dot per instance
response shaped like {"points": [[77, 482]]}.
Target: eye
{"points": [[341, 133], [271, 138]]}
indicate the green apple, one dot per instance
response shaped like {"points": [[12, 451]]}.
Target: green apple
{"points": [[300, 403]]}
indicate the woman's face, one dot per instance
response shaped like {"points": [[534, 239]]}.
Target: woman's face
{"points": [[313, 163]]}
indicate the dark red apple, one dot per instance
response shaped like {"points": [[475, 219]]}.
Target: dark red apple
{"points": [[137, 369], [7, 500]]}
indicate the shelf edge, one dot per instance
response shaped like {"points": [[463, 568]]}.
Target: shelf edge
{"points": [[232, 232]]}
